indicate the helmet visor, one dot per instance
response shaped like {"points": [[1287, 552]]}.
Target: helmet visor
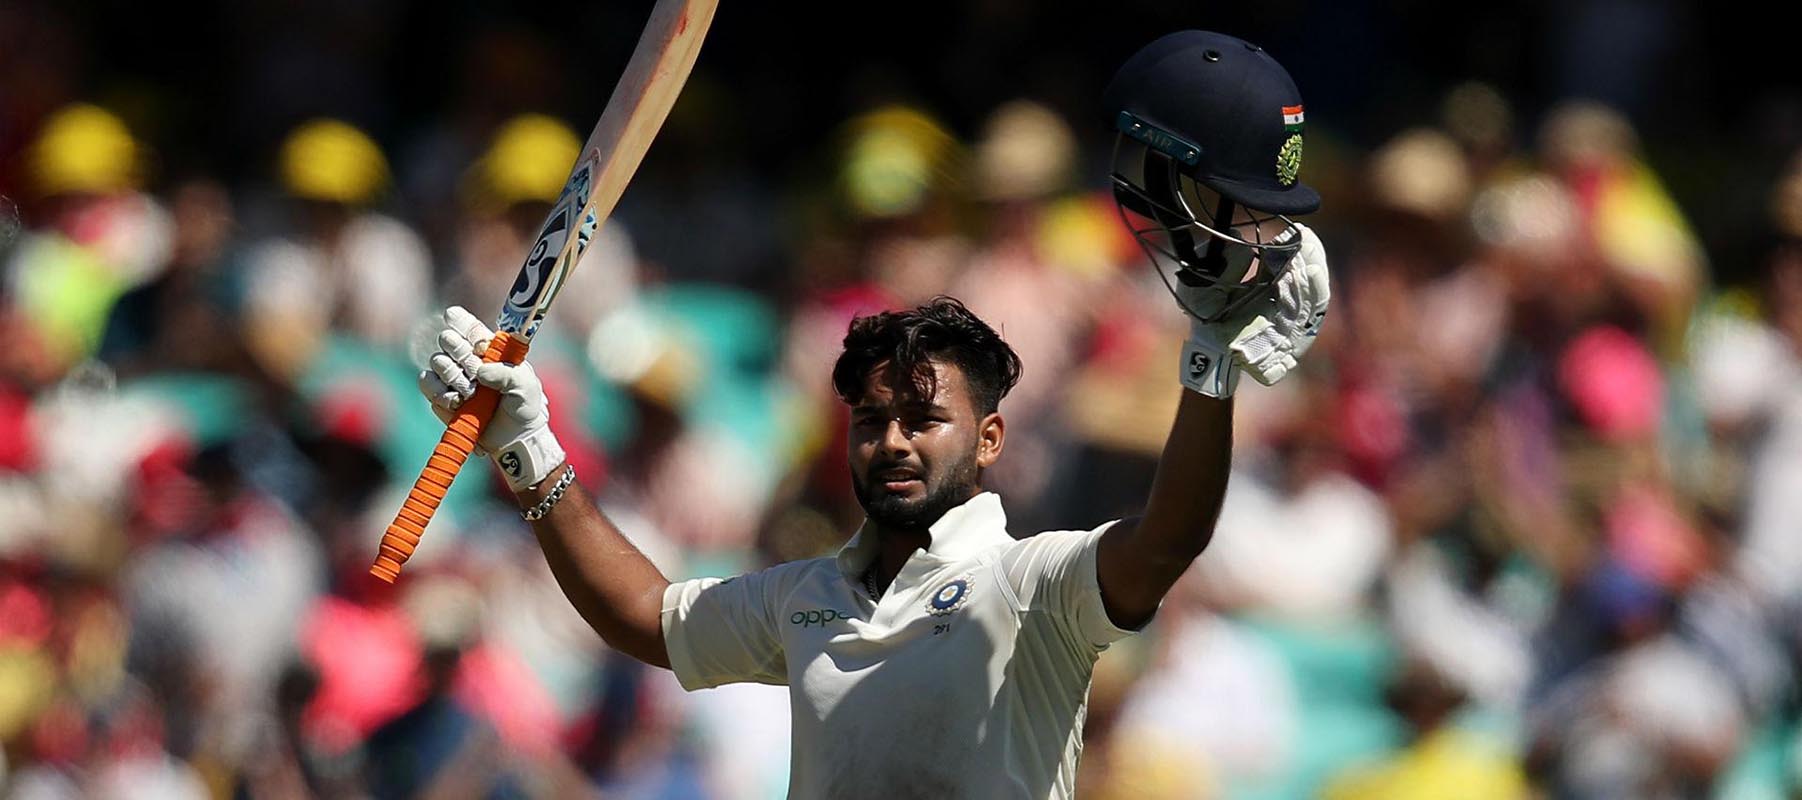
{"points": [[1222, 256]]}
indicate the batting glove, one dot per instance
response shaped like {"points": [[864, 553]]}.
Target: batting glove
{"points": [[519, 436], [1269, 338]]}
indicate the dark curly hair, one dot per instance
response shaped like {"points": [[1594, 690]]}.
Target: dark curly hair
{"points": [[941, 329]]}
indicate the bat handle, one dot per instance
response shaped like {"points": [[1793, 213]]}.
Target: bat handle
{"points": [[447, 458]]}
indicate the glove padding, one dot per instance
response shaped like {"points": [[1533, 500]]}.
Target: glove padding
{"points": [[1269, 337], [519, 436]]}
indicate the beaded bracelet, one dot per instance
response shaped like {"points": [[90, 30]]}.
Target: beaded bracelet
{"points": [[537, 512]]}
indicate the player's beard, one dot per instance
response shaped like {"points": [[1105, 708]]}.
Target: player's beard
{"points": [[955, 485]]}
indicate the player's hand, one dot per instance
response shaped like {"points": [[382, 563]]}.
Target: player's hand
{"points": [[1273, 342], [1269, 338], [519, 436]]}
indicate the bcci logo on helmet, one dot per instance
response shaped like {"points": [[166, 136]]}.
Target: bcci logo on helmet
{"points": [[1288, 160]]}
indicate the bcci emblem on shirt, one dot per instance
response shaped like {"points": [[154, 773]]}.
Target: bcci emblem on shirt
{"points": [[949, 597]]}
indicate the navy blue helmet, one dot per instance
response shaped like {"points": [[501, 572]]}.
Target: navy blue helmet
{"points": [[1207, 157]]}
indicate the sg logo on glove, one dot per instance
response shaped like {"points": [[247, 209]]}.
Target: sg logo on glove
{"points": [[510, 463], [1198, 365]]}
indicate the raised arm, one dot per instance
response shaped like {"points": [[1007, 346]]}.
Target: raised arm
{"points": [[1139, 559], [604, 576], [615, 588]]}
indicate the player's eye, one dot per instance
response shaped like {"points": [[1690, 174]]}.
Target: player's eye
{"points": [[925, 422]]}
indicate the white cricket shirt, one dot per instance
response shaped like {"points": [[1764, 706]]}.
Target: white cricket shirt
{"points": [[969, 679]]}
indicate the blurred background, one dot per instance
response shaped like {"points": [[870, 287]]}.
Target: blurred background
{"points": [[1527, 523]]}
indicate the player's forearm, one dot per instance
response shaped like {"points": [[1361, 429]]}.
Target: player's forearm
{"points": [[1190, 484], [1141, 558], [615, 588]]}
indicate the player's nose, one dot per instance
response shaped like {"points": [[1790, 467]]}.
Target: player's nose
{"points": [[895, 439]]}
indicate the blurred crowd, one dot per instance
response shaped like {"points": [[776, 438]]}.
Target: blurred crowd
{"points": [[1528, 522]]}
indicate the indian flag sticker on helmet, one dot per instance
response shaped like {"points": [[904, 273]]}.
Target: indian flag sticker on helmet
{"points": [[1288, 160]]}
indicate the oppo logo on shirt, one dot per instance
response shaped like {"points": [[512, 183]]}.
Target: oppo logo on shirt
{"points": [[818, 616]]}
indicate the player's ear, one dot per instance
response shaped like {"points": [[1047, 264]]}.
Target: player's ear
{"points": [[990, 435]]}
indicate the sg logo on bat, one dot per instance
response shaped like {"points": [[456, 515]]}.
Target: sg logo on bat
{"points": [[538, 274]]}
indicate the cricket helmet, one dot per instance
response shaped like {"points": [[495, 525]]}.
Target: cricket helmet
{"points": [[1206, 155]]}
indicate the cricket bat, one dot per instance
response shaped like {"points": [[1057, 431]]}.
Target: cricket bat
{"points": [[660, 65]]}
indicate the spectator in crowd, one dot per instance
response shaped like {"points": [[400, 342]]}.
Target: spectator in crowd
{"points": [[341, 266]]}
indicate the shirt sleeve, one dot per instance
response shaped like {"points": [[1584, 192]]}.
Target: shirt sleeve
{"points": [[724, 631], [1055, 573]]}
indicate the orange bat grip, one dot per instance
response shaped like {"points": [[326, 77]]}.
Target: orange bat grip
{"points": [[447, 458]]}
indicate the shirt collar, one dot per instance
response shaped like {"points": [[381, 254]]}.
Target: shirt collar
{"points": [[963, 531]]}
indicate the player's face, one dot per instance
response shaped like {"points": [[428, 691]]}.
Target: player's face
{"points": [[914, 458]]}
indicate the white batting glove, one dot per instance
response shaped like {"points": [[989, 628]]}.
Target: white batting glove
{"points": [[1272, 334], [519, 436], [1208, 367], [1274, 341]]}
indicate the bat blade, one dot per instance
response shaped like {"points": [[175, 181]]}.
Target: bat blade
{"points": [[641, 101]]}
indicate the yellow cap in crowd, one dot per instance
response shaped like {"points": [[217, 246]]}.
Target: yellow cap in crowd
{"points": [[329, 160], [895, 157], [529, 161], [83, 149]]}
